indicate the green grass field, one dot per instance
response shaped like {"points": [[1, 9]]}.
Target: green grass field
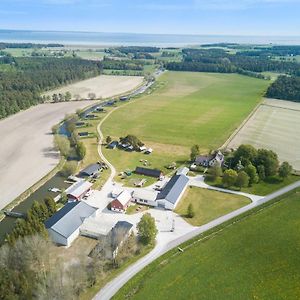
{"points": [[189, 108], [262, 188], [255, 258], [208, 205]]}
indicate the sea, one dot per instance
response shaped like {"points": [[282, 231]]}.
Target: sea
{"points": [[137, 39]]}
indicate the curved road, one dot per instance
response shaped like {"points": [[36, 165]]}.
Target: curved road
{"points": [[110, 289]]}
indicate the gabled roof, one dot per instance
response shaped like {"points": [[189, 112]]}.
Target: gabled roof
{"points": [[124, 197], [173, 188], [78, 188], [91, 169], [69, 218], [119, 232], [145, 194], [148, 172]]}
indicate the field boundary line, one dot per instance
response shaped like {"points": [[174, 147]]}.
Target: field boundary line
{"points": [[241, 126]]}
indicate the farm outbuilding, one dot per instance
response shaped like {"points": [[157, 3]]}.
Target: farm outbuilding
{"points": [[172, 192], [78, 190], [149, 172], [121, 202], [91, 170], [144, 196], [64, 226]]}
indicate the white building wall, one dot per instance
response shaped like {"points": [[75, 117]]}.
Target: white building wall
{"points": [[61, 240]]}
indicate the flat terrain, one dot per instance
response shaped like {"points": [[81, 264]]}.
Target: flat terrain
{"points": [[102, 86], [26, 152], [208, 205], [275, 125], [255, 258], [188, 108]]}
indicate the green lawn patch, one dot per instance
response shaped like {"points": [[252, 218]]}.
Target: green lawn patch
{"points": [[262, 188], [255, 258], [208, 205]]}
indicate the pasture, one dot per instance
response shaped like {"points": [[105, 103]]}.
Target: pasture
{"points": [[275, 126], [102, 86], [188, 108], [208, 205], [255, 258]]}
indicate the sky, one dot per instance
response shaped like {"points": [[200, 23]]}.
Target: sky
{"points": [[229, 17]]}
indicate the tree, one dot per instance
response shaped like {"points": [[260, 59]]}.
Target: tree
{"points": [[195, 151], [252, 173], [229, 177], [55, 129], [55, 98], [190, 211], [245, 154], [62, 144], [80, 150], [69, 168], [68, 96], [51, 206], [285, 169], [261, 172], [269, 160], [108, 139], [242, 179], [147, 229], [215, 172]]}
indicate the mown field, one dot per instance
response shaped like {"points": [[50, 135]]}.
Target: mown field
{"points": [[188, 108], [256, 258], [208, 205], [274, 126]]}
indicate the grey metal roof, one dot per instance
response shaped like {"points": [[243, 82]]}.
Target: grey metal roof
{"points": [[182, 170], [148, 172], [69, 218], [91, 169], [119, 233], [173, 188]]}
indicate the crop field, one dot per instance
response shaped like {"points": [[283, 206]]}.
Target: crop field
{"points": [[188, 108], [255, 258], [275, 125], [208, 205], [102, 86]]}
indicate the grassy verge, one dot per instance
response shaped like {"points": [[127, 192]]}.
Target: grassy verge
{"points": [[208, 205], [254, 256], [262, 188]]}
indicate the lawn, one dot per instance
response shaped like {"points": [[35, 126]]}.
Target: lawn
{"points": [[208, 205], [188, 108], [268, 186], [255, 258]]}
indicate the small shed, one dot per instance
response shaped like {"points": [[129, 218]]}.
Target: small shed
{"points": [[113, 145], [78, 190]]}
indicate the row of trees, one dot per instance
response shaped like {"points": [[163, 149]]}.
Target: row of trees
{"points": [[33, 223], [22, 87]]}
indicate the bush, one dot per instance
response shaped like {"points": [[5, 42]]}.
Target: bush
{"points": [[69, 168]]}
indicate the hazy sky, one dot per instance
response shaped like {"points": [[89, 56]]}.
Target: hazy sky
{"points": [[250, 17]]}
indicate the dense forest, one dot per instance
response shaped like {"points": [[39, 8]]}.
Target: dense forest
{"points": [[22, 87], [286, 88], [28, 45], [219, 60], [114, 64]]}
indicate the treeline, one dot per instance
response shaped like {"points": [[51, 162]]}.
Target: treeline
{"points": [[113, 64], [21, 89], [34, 221], [218, 60], [28, 45], [138, 49], [286, 88]]}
